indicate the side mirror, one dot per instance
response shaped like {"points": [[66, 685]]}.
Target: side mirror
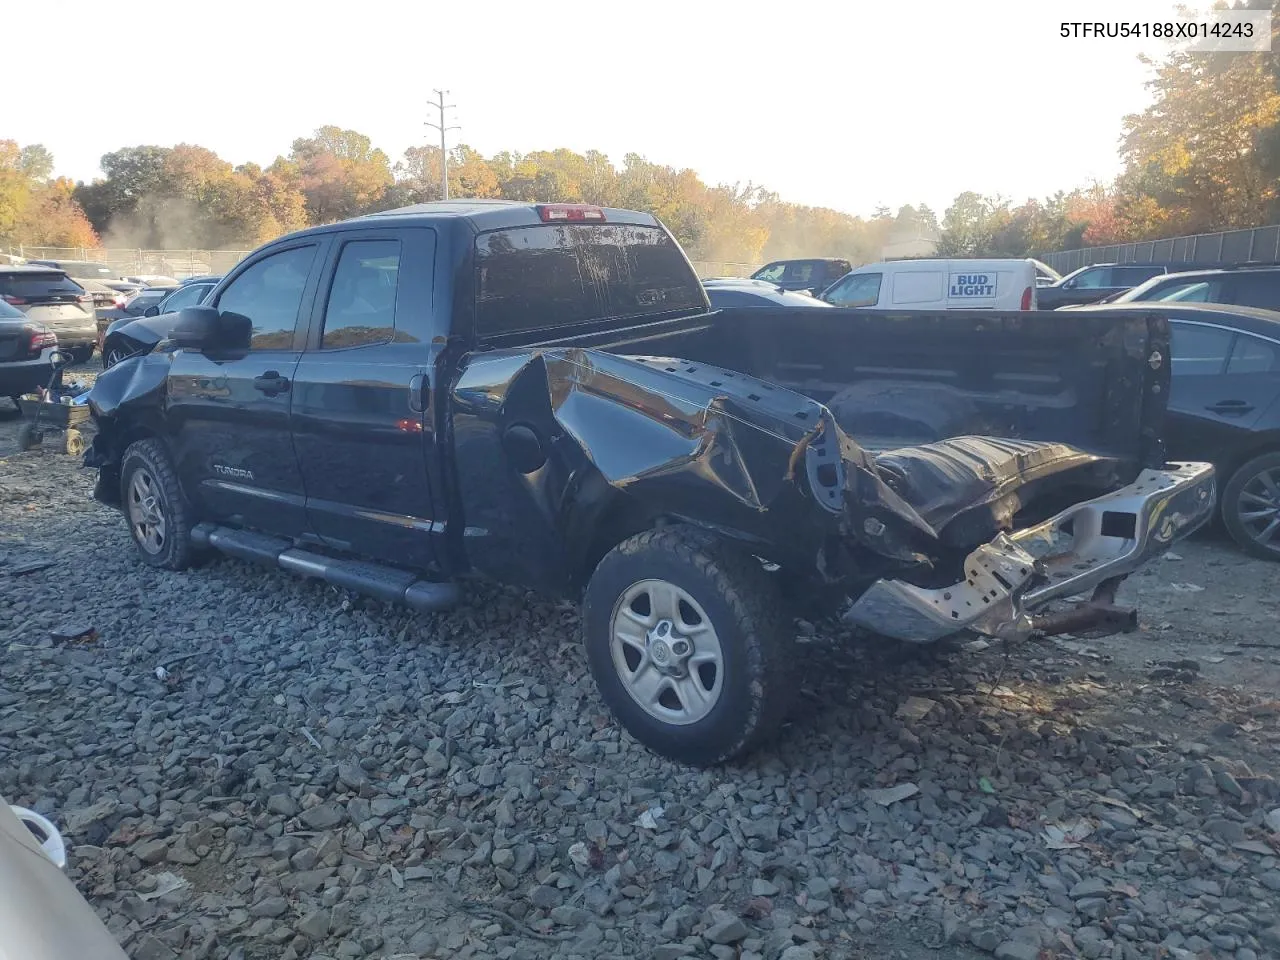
{"points": [[1069, 285], [204, 328], [151, 311]]}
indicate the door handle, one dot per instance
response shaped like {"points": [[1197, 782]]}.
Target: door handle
{"points": [[271, 383], [1230, 407]]}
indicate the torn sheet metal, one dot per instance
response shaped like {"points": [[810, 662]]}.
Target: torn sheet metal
{"points": [[592, 434]]}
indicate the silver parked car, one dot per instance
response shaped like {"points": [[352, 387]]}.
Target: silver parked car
{"points": [[47, 295]]}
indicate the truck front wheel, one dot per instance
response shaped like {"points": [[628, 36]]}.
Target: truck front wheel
{"points": [[687, 640], [159, 518]]}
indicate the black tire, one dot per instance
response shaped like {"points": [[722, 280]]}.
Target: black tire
{"points": [[1244, 493], [748, 618], [149, 463], [111, 355], [80, 354], [29, 438]]}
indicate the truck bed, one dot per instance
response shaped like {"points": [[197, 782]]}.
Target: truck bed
{"points": [[898, 379]]}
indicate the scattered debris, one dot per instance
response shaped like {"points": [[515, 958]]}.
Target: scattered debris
{"points": [[985, 786], [75, 633], [915, 708], [891, 795], [1272, 819], [1066, 836], [166, 882], [1170, 555], [31, 566], [1186, 587], [310, 738], [579, 854], [649, 818], [1119, 804]]}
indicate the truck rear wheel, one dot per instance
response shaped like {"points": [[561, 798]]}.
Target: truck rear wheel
{"points": [[158, 514], [687, 641]]}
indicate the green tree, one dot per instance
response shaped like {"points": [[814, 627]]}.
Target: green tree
{"points": [[36, 162]]}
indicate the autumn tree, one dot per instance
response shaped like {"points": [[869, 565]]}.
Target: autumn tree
{"points": [[34, 209], [341, 173], [1194, 150]]}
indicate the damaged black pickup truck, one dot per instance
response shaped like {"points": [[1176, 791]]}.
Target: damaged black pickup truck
{"points": [[540, 394]]}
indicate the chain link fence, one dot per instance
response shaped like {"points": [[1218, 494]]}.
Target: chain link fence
{"points": [[127, 262], [723, 268], [1260, 245]]}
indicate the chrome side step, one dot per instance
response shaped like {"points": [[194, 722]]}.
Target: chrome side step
{"points": [[371, 579]]}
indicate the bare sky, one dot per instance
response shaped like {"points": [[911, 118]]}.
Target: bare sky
{"points": [[849, 104]]}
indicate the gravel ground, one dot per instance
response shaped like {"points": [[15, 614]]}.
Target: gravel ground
{"points": [[250, 765]]}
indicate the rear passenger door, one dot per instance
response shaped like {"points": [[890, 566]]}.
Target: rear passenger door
{"points": [[1223, 382], [358, 419]]}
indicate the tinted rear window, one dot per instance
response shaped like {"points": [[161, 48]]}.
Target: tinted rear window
{"points": [[38, 284], [531, 278]]}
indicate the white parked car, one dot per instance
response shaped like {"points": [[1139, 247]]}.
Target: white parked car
{"points": [[937, 285]]}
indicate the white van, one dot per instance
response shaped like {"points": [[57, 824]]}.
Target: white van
{"points": [[937, 285]]}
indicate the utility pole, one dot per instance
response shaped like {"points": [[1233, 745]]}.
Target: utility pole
{"points": [[441, 106]]}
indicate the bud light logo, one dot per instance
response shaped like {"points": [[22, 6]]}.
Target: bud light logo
{"points": [[971, 285]]}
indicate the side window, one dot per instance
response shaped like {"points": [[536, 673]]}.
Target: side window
{"points": [[362, 300], [269, 293], [1092, 279], [183, 297], [856, 290], [799, 272], [1258, 290], [772, 273], [1252, 355], [1199, 351], [1196, 291]]}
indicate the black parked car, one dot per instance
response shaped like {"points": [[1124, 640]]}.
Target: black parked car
{"points": [[1244, 285], [813, 275], [26, 352], [755, 293], [1224, 407], [1096, 282], [140, 331]]}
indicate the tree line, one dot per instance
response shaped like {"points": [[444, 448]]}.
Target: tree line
{"points": [[1204, 156]]}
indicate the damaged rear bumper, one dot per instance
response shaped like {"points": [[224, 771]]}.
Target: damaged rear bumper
{"points": [[1074, 552]]}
